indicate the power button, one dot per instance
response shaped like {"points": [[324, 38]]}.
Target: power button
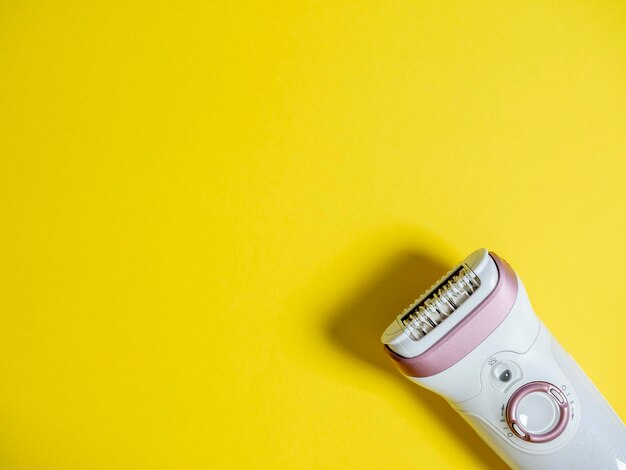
{"points": [[537, 412]]}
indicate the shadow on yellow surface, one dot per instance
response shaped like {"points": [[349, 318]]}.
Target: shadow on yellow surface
{"points": [[356, 326]]}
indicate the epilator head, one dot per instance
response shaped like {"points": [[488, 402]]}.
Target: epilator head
{"points": [[452, 317]]}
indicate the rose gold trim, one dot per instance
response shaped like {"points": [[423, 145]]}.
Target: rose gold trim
{"points": [[555, 394], [469, 332]]}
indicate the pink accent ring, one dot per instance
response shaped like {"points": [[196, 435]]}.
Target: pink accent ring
{"points": [[553, 393]]}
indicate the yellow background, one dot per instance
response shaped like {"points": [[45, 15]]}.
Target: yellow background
{"points": [[210, 211]]}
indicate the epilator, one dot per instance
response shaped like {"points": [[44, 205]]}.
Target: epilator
{"points": [[474, 339]]}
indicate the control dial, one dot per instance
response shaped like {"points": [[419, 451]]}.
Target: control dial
{"points": [[537, 412]]}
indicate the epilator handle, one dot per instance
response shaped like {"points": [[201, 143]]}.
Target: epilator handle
{"points": [[592, 437]]}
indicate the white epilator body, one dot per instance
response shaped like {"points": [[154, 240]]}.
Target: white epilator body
{"points": [[474, 339]]}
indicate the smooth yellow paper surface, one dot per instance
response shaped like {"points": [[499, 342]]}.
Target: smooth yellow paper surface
{"points": [[211, 210]]}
